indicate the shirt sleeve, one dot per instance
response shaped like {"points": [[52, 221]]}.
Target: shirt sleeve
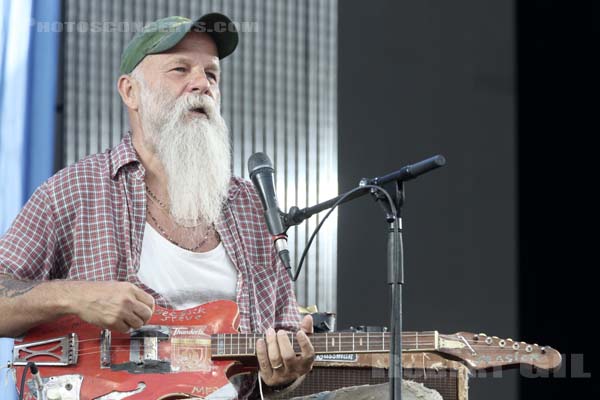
{"points": [[27, 249], [287, 315]]}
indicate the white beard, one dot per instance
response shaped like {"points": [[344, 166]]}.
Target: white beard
{"points": [[195, 152]]}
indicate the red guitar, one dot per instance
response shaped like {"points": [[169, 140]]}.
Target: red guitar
{"points": [[193, 352]]}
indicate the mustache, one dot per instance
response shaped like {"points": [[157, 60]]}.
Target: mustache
{"points": [[195, 102]]}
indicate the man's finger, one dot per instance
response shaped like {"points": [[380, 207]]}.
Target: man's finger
{"points": [[273, 349], [142, 311], [288, 356], [119, 326], [133, 321], [263, 359], [307, 324], [307, 349], [144, 297]]}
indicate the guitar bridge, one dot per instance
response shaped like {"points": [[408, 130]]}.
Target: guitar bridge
{"points": [[61, 351]]}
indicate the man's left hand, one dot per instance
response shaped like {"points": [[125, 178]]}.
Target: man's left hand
{"points": [[279, 364]]}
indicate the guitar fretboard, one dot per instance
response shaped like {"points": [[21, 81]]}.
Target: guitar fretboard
{"points": [[244, 344]]}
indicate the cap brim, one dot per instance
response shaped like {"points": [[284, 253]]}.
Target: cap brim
{"points": [[221, 29]]}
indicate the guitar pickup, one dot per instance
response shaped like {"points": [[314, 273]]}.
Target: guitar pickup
{"points": [[59, 352], [144, 343], [143, 351]]}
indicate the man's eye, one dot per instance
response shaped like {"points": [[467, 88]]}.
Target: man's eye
{"points": [[179, 69], [212, 75]]}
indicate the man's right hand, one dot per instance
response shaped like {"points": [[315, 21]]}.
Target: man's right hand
{"points": [[113, 305]]}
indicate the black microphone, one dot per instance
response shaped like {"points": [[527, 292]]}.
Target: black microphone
{"points": [[261, 173]]}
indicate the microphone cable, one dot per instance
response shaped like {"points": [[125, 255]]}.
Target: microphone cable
{"points": [[340, 200]]}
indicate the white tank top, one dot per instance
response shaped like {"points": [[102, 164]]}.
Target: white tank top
{"points": [[186, 279]]}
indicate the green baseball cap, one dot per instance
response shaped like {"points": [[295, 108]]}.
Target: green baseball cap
{"points": [[163, 34]]}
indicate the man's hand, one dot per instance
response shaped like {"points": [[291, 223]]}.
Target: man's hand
{"points": [[279, 364], [112, 305]]}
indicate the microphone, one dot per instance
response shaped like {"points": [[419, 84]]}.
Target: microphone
{"points": [[261, 173]]}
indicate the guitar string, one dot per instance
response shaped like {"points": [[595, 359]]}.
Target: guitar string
{"points": [[244, 337], [538, 363], [319, 343], [372, 342], [344, 336], [376, 338], [372, 350], [347, 339], [117, 349]]}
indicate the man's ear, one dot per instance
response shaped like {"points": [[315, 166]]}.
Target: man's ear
{"points": [[129, 91]]}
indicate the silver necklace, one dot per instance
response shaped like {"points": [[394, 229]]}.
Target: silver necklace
{"points": [[165, 209], [170, 239]]}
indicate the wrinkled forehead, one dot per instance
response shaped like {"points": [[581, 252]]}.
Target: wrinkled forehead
{"points": [[195, 47]]}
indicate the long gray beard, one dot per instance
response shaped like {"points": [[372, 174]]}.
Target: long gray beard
{"points": [[195, 153]]}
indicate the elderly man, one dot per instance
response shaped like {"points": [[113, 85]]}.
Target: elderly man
{"points": [[158, 219]]}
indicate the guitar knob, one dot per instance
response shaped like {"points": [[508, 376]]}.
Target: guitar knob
{"points": [[53, 394], [501, 343], [516, 346], [509, 340], [488, 340], [529, 349], [482, 334]]}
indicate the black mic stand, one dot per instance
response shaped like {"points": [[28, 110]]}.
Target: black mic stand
{"points": [[395, 254], [395, 263]]}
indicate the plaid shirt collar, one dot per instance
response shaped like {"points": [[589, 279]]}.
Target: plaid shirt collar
{"points": [[124, 154]]}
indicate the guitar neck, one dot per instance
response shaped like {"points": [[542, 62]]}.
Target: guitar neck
{"points": [[243, 345]]}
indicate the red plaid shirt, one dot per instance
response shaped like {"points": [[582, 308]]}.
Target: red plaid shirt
{"points": [[87, 223]]}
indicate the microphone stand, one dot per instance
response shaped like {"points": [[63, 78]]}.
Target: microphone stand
{"points": [[395, 254], [395, 263]]}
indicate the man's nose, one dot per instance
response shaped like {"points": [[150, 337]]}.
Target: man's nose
{"points": [[199, 83]]}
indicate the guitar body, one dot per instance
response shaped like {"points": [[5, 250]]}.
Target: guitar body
{"points": [[192, 372], [192, 353]]}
